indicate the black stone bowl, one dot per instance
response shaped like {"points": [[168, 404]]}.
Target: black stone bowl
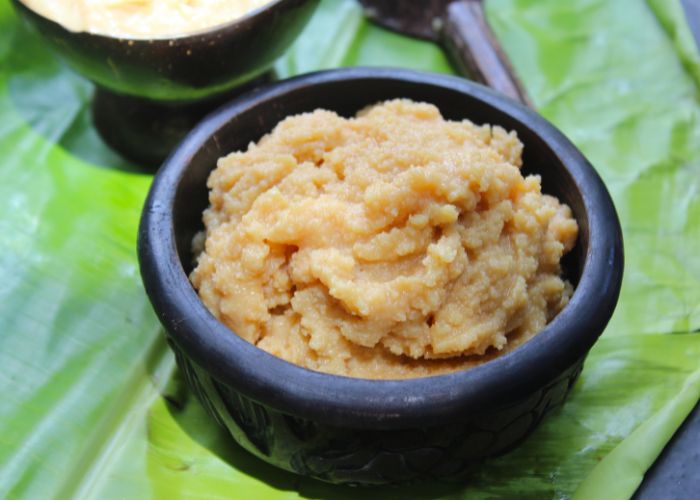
{"points": [[154, 90], [346, 430]]}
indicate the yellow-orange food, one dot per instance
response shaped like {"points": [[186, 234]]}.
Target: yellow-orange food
{"points": [[391, 245], [142, 18]]}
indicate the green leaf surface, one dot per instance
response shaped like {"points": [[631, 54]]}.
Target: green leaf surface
{"points": [[92, 405], [619, 474]]}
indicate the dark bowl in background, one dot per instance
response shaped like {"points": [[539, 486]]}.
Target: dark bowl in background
{"points": [[152, 91], [357, 431], [180, 67]]}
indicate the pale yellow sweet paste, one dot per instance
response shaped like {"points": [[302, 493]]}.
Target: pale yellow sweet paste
{"points": [[142, 18], [391, 245]]}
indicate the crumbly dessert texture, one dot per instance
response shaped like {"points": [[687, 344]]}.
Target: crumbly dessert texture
{"points": [[391, 245], [142, 18]]}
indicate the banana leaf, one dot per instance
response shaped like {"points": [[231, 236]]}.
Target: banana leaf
{"points": [[92, 404]]}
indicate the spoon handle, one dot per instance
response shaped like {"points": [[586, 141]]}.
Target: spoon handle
{"points": [[475, 50]]}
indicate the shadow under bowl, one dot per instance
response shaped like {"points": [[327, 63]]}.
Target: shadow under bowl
{"points": [[357, 431], [151, 91]]}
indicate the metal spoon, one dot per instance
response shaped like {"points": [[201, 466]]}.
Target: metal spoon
{"points": [[461, 27]]}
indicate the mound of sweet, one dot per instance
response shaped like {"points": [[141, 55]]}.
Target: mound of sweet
{"points": [[391, 245]]}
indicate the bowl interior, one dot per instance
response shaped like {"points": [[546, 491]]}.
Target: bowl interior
{"points": [[346, 97]]}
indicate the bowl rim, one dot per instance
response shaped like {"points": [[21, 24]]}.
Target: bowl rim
{"points": [[182, 37], [380, 404]]}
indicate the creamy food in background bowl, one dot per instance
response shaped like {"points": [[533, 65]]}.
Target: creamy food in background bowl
{"points": [[143, 18], [357, 430]]}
